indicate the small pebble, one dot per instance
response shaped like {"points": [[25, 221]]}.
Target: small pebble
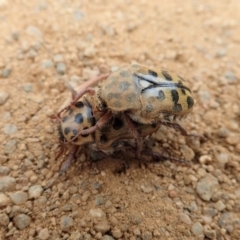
{"points": [[7, 184], [211, 234], [66, 223], [4, 170], [99, 200], [221, 53], [33, 30], [146, 235], [35, 191], [223, 132], [58, 58], [185, 218], [220, 206], [76, 235], [4, 219], [197, 228], [43, 234], [61, 68], [146, 189], [97, 213], [206, 187], [10, 129], [89, 51], [10, 146], [19, 197], [222, 159], [28, 87], [204, 159], [4, 200], [102, 226], [225, 219], [117, 233], [6, 72], [78, 15], [136, 219], [3, 97], [230, 76], [22, 221], [107, 237], [49, 129], [210, 211], [47, 63]]}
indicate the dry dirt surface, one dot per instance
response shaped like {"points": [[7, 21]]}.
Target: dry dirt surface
{"points": [[46, 43]]}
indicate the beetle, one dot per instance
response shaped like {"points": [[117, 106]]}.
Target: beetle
{"points": [[141, 95]]}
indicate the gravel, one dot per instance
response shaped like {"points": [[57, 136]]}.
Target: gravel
{"points": [[185, 218], [66, 223], [35, 191], [4, 200], [19, 197], [102, 226], [6, 72], [7, 184], [3, 97], [206, 187], [61, 68], [58, 42], [10, 146], [197, 229], [44, 234], [4, 219], [10, 129], [22, 221]]}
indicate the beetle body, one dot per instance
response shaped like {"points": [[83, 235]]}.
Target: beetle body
{"points": [[146, 95]]}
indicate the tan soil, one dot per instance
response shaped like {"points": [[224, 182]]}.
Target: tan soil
{"points": [[197, 39]]}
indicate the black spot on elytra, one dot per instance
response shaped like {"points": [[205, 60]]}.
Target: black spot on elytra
{"points": [[149, 108], [183, 91], [79, 104], [161, 95], [167, 75], [124, 86], [175, 96], [152, 73], [75, 132], [131, 97], [117, 104], [64, 119], [103, 139], [78, 118], [67, 130], [190, 102], [70, 110], [85, 135], [110, 96], [125, 73], [177, 107], [117, 124]]}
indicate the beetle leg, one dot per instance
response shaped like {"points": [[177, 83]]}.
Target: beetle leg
{"points": [[74, 101], [179, 128], [135, 134], [65, 165], [159, 157], [99, 124], [92, 82]]}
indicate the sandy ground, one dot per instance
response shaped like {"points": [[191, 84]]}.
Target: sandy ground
{"points": [[43, 44]]}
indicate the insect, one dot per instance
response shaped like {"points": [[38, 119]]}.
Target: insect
{"points": [[140, 94], [113, 136]]}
